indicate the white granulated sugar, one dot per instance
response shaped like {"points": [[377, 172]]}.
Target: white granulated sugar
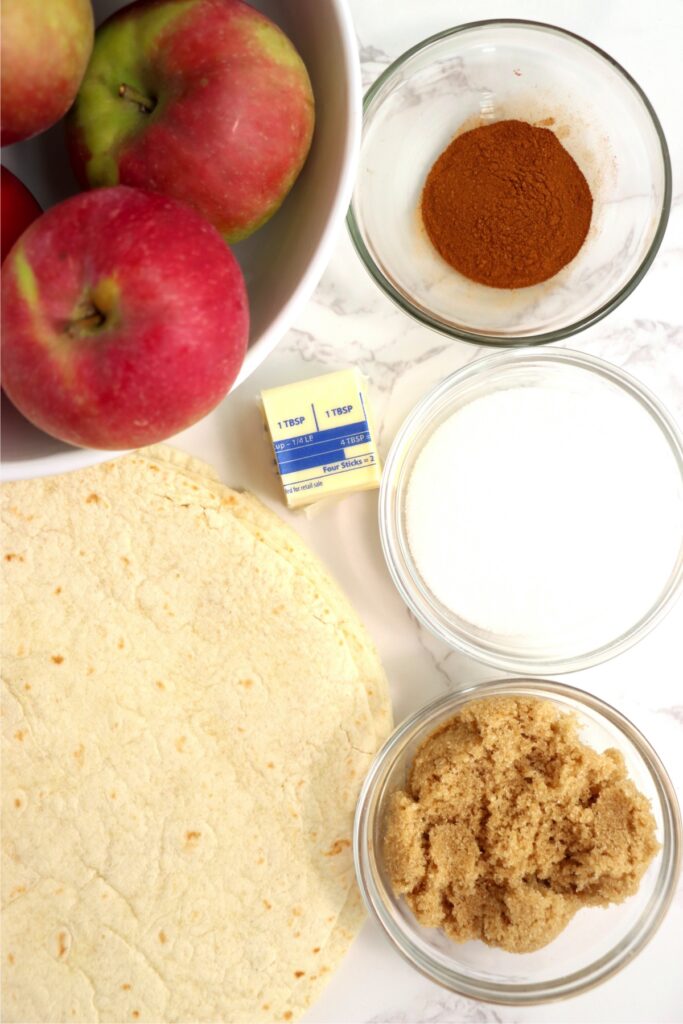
{"points": [[547, 513]]}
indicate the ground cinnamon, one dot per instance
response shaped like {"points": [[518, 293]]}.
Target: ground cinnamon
{"points": [[506, 205]]}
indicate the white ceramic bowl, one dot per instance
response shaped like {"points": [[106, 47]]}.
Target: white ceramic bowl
{"points": [[283, 261]]}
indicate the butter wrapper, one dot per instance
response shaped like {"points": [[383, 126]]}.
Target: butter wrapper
{"points": [[322, 436]]}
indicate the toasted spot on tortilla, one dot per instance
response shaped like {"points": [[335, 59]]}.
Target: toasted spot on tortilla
{"points": [[92, 499], [58, 658], [337, 846], [162, 937]]}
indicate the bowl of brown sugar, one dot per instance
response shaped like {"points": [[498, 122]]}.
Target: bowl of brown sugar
{"points": [[518, 842], [514, 183]]}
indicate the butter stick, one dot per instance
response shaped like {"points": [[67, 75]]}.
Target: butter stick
{"points": [[322, 436]]}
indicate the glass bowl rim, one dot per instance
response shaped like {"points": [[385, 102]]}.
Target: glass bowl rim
{"points": [[563, 987], [424, 318], [409, 436]]}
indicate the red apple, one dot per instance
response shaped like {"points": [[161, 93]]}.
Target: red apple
{"points": [[124, 319], [204, 100], [18, 209], [45, 49]]}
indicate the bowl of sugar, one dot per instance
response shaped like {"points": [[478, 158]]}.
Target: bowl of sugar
{"points": [[531, 510]]}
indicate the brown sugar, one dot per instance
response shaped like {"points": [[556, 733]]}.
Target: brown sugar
{"points": [[509, 824]]}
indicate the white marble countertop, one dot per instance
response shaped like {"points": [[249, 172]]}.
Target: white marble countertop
{"points": [[348, 322]]}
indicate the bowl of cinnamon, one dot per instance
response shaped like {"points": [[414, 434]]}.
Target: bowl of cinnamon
{"points": [[496, 200]]}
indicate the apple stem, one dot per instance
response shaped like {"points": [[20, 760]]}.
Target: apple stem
{"points": [[86, 323], [145, 104]]}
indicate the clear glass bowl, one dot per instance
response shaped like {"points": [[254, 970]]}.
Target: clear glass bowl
{"points": [[490, 71], [598, 941], [564, 370]]}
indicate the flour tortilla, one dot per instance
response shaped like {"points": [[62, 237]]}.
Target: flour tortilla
{"points": [[282, 539], [190, 707]]}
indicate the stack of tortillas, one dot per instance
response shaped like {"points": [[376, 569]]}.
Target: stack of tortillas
{"points": [[190, 708]]}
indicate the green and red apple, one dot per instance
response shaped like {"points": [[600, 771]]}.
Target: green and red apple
{"points": [[124, 319], [45, 49], [18, 209], [204, 100]]}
